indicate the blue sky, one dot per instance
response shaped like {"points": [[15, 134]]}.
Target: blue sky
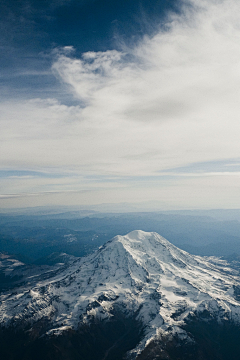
{"points": [[129, 101], [32, 31]]}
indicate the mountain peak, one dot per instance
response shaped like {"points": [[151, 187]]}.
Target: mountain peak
{"points": [[142, 236], [140, 272], [139, 235], [142, 241]]}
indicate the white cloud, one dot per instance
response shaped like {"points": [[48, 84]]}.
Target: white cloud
{"points": [[175, 102]]}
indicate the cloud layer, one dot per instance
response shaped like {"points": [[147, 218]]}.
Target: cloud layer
{"points": [[168, 102]]}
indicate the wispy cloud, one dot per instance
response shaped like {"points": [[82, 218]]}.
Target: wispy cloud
{"points": [[170, 101], [177, 96]]}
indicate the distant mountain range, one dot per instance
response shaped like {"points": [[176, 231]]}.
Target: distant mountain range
{"points": [[33, 238], [137, 297]]}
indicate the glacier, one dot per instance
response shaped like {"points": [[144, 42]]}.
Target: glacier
{"points": [[140, 273]]}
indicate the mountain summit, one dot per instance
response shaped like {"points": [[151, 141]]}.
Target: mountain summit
{"points": [[140, 275]]}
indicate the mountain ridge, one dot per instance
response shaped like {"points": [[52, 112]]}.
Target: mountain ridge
{"points": [[141, 275]]}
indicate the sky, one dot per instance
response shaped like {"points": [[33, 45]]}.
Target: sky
{"points": [[120, 102]]}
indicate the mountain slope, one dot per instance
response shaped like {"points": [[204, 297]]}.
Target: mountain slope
{"points": [[140, 275]]}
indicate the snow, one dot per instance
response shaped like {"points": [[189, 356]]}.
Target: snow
{"points": [[141, 270]]}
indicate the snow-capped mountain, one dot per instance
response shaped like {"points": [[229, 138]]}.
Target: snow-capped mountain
{"points": [[140, 274]]}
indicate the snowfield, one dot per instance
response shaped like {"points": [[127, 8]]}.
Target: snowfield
{"points": [[140, 273]]}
